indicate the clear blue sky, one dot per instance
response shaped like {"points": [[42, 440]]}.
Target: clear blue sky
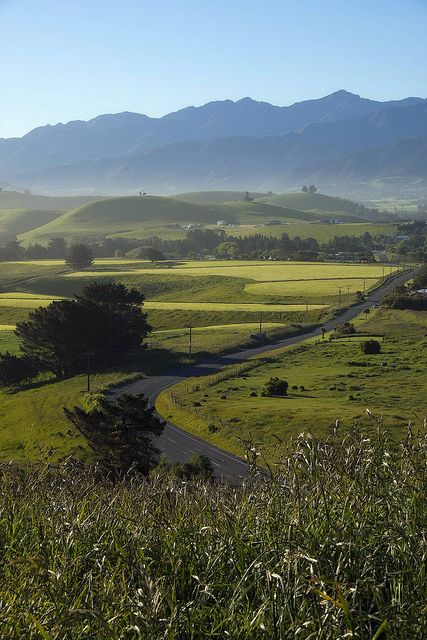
{"points": [[73, 59]]}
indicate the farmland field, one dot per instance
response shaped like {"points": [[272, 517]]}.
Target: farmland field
{"points": [[197, 293], [311, 288], [341, 385], [261, 271]]}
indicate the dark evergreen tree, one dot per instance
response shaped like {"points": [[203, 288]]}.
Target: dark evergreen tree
{"points": [[120, 433], [106, 324]]}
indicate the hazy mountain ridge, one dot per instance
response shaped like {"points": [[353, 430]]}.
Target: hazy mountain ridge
{"points": [[221, 145]]}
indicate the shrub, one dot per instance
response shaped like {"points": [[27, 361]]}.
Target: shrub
{"points": [[275, 387], [198, 466], [345, 329], [371, 347]]}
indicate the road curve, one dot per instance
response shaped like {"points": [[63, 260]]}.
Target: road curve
{"points": [[178, 445]]}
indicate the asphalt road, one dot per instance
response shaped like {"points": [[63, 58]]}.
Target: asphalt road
{"points": [[177, 445]]}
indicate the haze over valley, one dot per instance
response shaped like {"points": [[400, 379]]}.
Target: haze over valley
{"points": [[347, 144]]}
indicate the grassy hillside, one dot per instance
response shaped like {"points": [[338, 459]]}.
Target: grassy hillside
{"points": [[136, 215], [215, 196]]}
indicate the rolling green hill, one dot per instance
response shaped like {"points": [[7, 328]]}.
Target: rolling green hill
{"points": [[141, 216], [215, 196]]}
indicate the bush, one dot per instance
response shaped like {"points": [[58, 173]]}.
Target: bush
{"points": [[198, 466], [275, 387], [371, 347], [346, 329]]}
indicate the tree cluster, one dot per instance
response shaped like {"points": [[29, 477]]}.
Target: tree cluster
{"points": [[11, 249], [405, 298]]}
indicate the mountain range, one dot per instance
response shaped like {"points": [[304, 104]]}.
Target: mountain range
{"points": [[341, 138]]}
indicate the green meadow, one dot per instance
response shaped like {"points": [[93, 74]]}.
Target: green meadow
{"points": [[328, 381]]}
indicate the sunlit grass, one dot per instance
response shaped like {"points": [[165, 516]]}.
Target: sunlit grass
{"points": [[332, 546]]}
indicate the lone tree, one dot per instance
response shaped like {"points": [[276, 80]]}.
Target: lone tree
{"points": [[312, 188], [153, 254], [304, 188], [275, 387], [79, 257], [371, 347], [105, 321], [120, 433]]}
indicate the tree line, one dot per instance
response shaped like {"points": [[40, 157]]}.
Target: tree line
{"points": [[216, 242]]}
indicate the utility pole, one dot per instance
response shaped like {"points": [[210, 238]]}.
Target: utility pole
{"points": [[306, 313], [383, 271], [339, 297], [364, 285], [260, 322], [190, 342]]}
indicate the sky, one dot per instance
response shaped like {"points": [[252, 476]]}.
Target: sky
{"points": [[65, 60]]}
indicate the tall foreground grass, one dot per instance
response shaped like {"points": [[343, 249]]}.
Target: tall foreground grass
{"points": [[333, 546]]}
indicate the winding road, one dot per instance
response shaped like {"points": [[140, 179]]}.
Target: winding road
{"points": [[177, 445]]}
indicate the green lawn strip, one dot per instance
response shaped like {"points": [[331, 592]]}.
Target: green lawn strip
{"points": [[390, 384]]}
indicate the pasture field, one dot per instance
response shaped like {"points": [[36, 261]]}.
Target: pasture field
{"points": [[310, 289], [263, 271], [194, 293], [328, 381], [32, 422]]}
